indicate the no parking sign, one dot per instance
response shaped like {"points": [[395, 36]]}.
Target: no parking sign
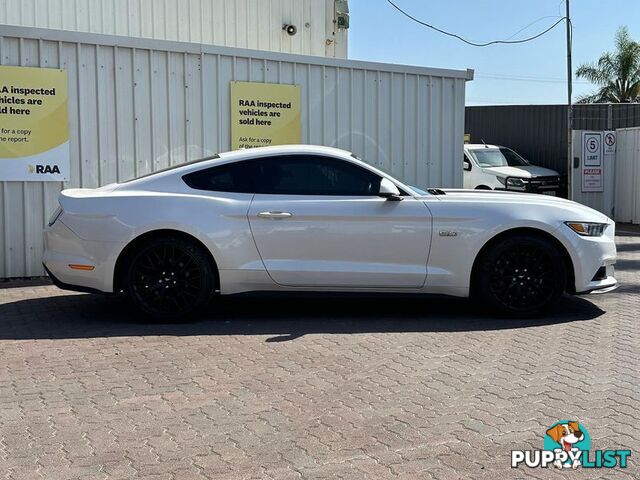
{"points": [[609, 142]]}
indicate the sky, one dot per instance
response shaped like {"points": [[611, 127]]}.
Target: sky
{"points": [[529, 73]]}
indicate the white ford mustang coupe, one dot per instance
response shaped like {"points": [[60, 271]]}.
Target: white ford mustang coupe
{"points": [[308, 218]]}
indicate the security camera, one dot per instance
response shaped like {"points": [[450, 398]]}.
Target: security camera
{"points": [[290, 29]]}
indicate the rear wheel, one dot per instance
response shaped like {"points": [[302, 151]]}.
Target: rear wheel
{"points": [[521, 275], [170, 278]]}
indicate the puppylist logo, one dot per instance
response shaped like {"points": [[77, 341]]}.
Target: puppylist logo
{"points": [[567, 444]]}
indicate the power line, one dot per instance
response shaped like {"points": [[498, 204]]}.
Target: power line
{"points": [[524, 78], [532, 23], [468, 42]]}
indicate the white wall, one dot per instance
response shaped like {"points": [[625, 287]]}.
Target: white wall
{"points": [[255, 24], [627, 198], [620, 199], [138, 105], [601, 201]]}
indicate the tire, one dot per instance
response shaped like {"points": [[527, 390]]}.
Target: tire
{"points": [[170, 279], [520, 276]]}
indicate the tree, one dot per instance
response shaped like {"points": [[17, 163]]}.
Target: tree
{"points": [[616, 73]]}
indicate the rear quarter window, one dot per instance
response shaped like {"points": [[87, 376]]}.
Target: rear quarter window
{"points": [[173, 167], [233, 177]]}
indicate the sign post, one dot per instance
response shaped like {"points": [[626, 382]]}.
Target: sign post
{"points": [[264, 114], [34, 129]]}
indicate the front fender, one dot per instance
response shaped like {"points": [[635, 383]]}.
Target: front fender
{"points": [[452, 256]]}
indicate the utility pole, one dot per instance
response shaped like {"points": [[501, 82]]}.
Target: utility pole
{"points": [[569, 107]]}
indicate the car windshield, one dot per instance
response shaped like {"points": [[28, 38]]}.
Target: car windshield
{"points": [[419, 191], [498, 157]]}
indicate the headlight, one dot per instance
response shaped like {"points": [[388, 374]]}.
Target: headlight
{"points": [[55, 216], [515, 182], [588, 229]]}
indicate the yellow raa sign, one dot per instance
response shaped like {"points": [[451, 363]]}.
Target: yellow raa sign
{"points": [[34, 132], [264, 114]]}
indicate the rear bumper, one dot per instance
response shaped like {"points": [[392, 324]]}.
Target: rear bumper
{"points": [[64, 248], [66, 286]]}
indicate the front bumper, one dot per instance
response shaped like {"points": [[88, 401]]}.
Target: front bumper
{"points": [[593, 260], [606, 284]]}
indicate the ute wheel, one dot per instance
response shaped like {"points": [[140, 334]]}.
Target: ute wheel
{"points": [[520, 276], [170, 279]]}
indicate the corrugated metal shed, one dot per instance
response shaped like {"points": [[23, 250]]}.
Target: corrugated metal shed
{"points": [[137, 105], [255, 24], [538, 132]]}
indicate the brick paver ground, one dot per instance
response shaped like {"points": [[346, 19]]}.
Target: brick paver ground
{"points": [[312, 388]]}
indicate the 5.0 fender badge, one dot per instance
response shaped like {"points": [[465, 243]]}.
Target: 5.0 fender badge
{"points": [[448, 233]]}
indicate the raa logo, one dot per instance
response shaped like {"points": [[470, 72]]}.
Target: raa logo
{"points": [[567, 444], [44, 169]]}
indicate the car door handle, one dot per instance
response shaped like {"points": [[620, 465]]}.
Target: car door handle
{"points": [[275, 215]]}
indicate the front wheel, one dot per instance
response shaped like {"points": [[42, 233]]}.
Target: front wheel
{"points": [[170, 278], [522, 275]]}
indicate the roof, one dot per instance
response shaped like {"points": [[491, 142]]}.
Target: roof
{"points": [[238, 155], [233, 52], [284, 149], [473, 146]]}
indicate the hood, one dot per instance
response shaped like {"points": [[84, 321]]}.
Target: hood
{"points": [[528, 171], [568, 210]]}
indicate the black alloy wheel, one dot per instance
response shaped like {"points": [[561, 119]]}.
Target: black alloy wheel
{"points": [[170, 278], [521, 275]]}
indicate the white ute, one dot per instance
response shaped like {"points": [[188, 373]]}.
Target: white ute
{"points": [[492, 167]]}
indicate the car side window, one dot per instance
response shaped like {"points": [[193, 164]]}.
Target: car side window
{"points": [[313, 175], [234, 177], [287, 175]]}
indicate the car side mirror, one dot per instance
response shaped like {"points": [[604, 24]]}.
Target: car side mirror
{"points": [[388, 190], [466, 165]]}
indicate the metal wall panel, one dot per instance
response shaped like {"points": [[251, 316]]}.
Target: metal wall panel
{"points": [[538, 132], [627, 175], [255, 24], [138, 105]]}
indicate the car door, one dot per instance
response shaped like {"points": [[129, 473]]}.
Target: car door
{"points": [[318, 221]]}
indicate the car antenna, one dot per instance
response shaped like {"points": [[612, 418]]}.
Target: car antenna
{"points": [[484, 143]]}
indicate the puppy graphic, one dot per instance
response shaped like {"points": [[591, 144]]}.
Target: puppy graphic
{"points": [[566, 435]]}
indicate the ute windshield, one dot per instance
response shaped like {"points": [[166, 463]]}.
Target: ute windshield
{"points": [[498, 157]]}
